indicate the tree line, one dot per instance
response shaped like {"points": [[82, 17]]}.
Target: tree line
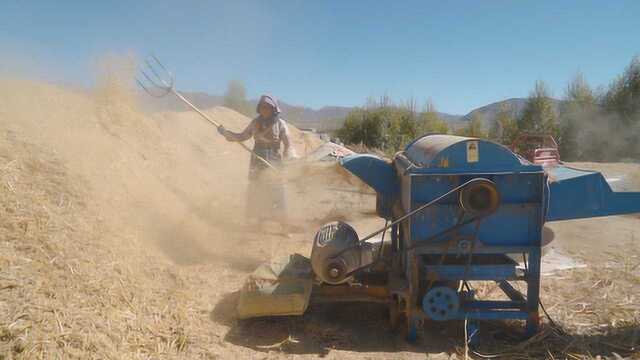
{"points": [[588, 124]]}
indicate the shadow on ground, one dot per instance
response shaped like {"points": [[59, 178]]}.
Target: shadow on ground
{"points": [[364, 328], [350, 327]]}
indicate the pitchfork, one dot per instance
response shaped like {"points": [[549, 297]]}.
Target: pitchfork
{"points": [[158, 82]]}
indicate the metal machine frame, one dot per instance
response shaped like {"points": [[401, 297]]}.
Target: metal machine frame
{"points": [[428, 263], [426, 260]]}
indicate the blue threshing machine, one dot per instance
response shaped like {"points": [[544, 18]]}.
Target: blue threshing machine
{"points": [[458, 210]]}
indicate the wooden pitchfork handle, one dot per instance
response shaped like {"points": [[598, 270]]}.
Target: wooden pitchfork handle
{"points": [[218, 125], [160, 79]]}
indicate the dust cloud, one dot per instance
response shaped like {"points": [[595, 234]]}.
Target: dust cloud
{"points": [[604, 136], [167, 181], [132, 226]]}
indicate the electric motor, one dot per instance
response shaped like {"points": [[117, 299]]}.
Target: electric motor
{"points": [[337, 253]]}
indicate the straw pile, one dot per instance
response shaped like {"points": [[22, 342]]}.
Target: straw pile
{"points": [[63, 292], [79, 274]]}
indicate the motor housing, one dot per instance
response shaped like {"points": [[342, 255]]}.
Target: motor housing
{"points": [[337, 253]]}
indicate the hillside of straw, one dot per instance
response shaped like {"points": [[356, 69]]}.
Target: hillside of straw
{"points": [[122, 236]]}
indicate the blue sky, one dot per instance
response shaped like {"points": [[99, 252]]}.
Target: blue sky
{"points": [[461, 54]]}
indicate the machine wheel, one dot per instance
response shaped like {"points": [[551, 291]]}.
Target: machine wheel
{"points": [[441, 303]]}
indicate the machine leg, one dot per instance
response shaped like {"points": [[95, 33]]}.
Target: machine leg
{"points": [[394, 314], [533, 292], [412, 329], [472, 329], [412, 303], [394, 238]]}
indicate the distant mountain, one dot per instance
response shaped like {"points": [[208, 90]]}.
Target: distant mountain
{"points": [[330, 117], [489, 113], [325, 118], [450, 118]]}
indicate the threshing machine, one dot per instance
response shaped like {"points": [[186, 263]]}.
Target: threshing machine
{"points": [[458, 210]]}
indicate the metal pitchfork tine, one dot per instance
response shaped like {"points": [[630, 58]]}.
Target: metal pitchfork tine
{"points": [[160, 82]]}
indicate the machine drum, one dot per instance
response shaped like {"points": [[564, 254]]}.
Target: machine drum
{"points": [[480, 197], [337, 252], [441, 303]]}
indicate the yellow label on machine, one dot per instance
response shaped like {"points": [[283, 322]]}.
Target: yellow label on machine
{"points": [[473, 153]]}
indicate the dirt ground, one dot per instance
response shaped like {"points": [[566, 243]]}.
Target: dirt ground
{"points": [[123, 236]]}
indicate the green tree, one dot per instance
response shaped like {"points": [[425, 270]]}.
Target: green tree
{"points": [[474, 128], [351, 130], [363, 126], [579, 92], [510, 130], [577, 115], [236, 98], [402, 128], [538, 115], [386, 126], [430, 121], [621, 103], [505, 127], [623, 95]]}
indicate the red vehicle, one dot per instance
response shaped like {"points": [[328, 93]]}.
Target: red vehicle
{"points": [[537, 148]]}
